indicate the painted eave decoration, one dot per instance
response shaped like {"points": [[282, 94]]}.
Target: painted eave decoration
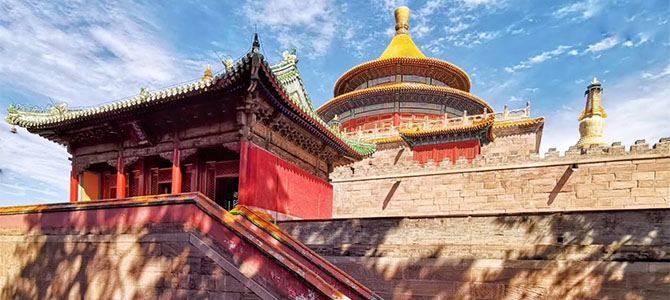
{"points": [[403, 87], [480, 130], [431, 65], [519, 123]]}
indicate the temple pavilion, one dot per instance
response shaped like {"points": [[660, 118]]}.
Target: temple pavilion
{"points": [[404, 97], [252, 136]]}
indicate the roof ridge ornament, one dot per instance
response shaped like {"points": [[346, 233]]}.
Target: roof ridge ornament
{"points": [[402, 20], [256, 46], [290, 57], [256, 59]]}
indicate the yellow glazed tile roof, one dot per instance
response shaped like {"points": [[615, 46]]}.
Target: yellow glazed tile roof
{"points": [[385, 140], [402, 46], [426, 62], [419, 132], [519, 123], [403, 87]]}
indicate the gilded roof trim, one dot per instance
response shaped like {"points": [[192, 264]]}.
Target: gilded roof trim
{"points": [[386, 140], [419, 132], [519, 123], [59, 114], [401, 87], [426, 61]]}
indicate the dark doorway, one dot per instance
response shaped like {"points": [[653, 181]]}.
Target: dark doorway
{"points": [[165, 188], [225, 193]]}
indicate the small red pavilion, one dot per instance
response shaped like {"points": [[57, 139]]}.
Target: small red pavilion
{"points": [[247, 136]]}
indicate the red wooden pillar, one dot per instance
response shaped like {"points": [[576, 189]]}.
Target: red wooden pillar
{"points": [[396, 120], [243, 185], [176, 172], [141, 189], [120, 179], [74, 185]]}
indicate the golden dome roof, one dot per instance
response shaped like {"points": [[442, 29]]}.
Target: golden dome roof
{"points": [[402, 45], [402, 69], [402, 57]]}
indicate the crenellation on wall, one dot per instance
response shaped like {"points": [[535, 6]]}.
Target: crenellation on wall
{"points": [[400, 161], [518, 143], [390, 183]]}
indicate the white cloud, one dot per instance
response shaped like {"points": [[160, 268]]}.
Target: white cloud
{"points": [[82, 54], [420, 30], [307, 25], [538, 58], [643, 38], [628, 44], [581, 10], [514, 99], [473, 3], [430, 7], [662, 73], [605, 44], [286, 12], [514, 29], [389, 5], [472, 38], [457, 28], [34, 160]]}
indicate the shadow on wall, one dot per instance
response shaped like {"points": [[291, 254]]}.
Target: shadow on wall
{"points": [[42, 260], [589, 255]]}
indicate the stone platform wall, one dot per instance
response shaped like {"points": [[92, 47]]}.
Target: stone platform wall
{"points": [[157, 262], [158, 247], [579, 255], [390, 183], [522, 143]]}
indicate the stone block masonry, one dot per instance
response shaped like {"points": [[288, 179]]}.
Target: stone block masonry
{"points": [[570, 255], [390, 183], [138, 263], [160, 247]]}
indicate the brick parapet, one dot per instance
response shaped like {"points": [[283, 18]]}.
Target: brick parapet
{"points": [[596, 178], [398, 162]]}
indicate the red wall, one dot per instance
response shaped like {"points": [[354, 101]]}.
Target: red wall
{"points": [[387, 120], [451, 151], [268, 182]]}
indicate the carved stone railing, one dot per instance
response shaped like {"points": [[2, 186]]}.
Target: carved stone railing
{"points": [[387, 129]]}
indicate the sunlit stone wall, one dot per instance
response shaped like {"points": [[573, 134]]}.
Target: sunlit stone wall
{"points": [[155, 262], [391, 183], [579, 255]]}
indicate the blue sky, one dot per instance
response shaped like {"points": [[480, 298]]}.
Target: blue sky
{"points": [[91, 52]]}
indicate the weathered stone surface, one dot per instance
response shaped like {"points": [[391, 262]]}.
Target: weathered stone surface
{"points": [[618, 254], [154, 263], [605, 181]]}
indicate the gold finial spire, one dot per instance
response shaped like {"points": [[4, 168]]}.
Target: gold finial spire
{"points": [[402, 45], [208, 74], [402, 20], [595, 81]]}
